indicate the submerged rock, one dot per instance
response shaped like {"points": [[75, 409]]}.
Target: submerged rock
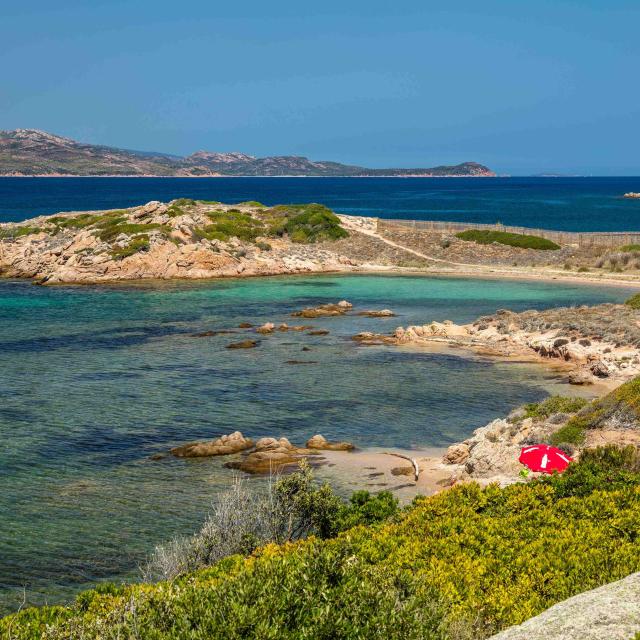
{"points": [[319, 332], [321, 443], [222, 446], [324, 310], [243, 344], [245, 325], [383, 313]]}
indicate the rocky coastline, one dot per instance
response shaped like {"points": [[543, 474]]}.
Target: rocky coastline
{"points": [[189, 239]]}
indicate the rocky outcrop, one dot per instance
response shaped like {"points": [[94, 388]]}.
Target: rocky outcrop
{"points": [[222, 446], [610, 612], [269, 455], [632, 194], [319, 442], [324, 310], [157, 241]]}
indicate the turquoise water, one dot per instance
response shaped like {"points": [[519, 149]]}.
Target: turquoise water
{"points": [[97, 379], [569, 204]]}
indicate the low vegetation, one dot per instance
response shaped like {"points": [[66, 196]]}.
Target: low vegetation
{"points": [[625, 259], [633, 301], [621, 406], [10, 233], [136, 245], [554, 404], [459, 565], [520, 240], [304, 223]]}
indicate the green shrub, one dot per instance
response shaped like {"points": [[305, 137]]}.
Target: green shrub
{"points": [[305, 223], [523, 241], [633, 301], [109, 230], [136, 245], [464, 563], [251, 203], [229, 224], [551, 405], [609, 468], [622, 403], [630, 247], [263, 246], [18, 232]]}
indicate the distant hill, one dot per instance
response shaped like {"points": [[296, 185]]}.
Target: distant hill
{"points": [[29, 152]]}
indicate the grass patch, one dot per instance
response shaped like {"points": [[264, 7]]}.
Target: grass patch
{"points": [[622, 403], [109, 230], [554, 404], [251, 203], [136, 245], [465, 563], [18, 232], [633, 301], [630, 247], [520, 240]]}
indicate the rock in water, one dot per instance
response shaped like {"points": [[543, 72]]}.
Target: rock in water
{"points": [[222, 446], [324, 310], [321, 443], [267, 327], [243, 344], [383, 313], [270, 455]]}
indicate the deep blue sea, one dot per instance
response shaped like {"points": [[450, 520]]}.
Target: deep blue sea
{"points": [[569, 204]]}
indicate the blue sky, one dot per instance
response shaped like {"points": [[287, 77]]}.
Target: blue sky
{"points": [[523, 86]]}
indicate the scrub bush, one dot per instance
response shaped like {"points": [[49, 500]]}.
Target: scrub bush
{"points": [[462, 564], [523, 241]]}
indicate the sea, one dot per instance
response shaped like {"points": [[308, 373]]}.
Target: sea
{"points": [[567, 204], [96, 380]]}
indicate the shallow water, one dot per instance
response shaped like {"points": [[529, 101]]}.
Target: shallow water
{"points": [[96, 379]]}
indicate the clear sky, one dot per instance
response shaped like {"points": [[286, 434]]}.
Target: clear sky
{"points": [[525, 86]]}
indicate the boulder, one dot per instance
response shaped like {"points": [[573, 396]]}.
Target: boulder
{"points": [[320, 442], [324, 310], [222, 446], [245, 325], [270, 455], [267, 327], [456, 453], [610, 612], [319, 332]]}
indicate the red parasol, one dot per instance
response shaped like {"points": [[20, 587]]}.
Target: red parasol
{"points": [[543, 458]]}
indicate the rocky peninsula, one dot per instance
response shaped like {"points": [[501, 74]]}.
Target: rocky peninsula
{"points": [[189, 239]]}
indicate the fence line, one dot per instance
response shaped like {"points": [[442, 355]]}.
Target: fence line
{"points": [[589, 238]]}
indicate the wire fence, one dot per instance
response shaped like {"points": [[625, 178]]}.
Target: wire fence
{"points": [[592, 238]]}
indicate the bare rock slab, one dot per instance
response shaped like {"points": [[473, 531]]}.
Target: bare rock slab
{"points": [[610, 612]]}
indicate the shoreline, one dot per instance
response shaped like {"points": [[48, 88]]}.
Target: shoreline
{"points": [[381, 270]]}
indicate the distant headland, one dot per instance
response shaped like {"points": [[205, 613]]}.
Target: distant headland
{"points": [[29, 152]]}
